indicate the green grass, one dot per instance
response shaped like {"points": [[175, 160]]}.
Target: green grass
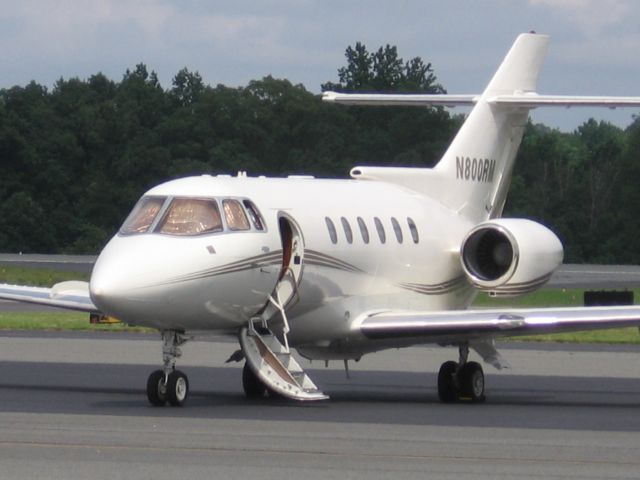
{"points": [[628, 335], [552, 297], [67, 321], [38, 277]]}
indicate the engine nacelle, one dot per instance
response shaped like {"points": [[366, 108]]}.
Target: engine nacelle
{"points": [[510, 256]]}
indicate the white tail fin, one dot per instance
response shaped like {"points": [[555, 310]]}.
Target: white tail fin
{"points": [[474, 174], [480, 159]]}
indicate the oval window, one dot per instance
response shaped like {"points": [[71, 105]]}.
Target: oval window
{"points": [[413, 229], [397, 230], [347, 229], [363, 230], [380, 228], [333, 235]]}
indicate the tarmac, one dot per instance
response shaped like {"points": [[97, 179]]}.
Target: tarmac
{"points": [[72, 405]]}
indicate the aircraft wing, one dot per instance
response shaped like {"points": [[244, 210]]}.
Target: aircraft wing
{"points": [[72, 295], [472, 325]]}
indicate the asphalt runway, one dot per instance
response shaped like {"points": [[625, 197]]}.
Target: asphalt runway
{"points": [[73, 406]]}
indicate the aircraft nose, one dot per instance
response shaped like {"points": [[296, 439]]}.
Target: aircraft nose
{"points": [[107, 288], [115, 286], [103, 289]]}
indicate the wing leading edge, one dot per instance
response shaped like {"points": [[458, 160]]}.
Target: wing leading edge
{"points": [[72, 295], [524, 100], [470, 325]]}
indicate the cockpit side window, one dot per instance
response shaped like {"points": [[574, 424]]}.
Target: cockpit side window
{"points": [[234, 213], [191, 216], [142, 216], [254, 215]]}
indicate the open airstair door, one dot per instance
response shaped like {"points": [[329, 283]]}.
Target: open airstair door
{"points": [[286, 291], [267, 354]]}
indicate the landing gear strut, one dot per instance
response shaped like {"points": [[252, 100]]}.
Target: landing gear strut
{"points": [[461, 380], [169, 385]]}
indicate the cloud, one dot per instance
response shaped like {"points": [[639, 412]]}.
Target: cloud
{"points": [[591, 16], [80, 38]]}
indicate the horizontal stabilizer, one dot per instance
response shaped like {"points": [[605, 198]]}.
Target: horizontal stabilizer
{"points": [[528, 100], [534, 101], [400, 100]]}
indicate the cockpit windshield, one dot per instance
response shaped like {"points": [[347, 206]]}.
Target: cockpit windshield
{"points": [[143, 215], [191, 216]]}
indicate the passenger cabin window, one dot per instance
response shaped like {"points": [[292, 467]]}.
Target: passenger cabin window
{"points": [[191, 216], [397, 230], [234, 213], [347, 229], [413, 229], [333, 235], [254, 215], [380, 228], [142, 216], [363, 230]]}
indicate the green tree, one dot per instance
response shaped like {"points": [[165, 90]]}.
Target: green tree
{"points": [[187, 87], [383, 70]]}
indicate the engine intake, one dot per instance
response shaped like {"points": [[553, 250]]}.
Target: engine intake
{"points": [[509, 256]]}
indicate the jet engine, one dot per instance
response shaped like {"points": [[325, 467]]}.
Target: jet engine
{"points": [[510, 256]]}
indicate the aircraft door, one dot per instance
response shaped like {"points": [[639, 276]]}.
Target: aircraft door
{"points": [[286, 290]]}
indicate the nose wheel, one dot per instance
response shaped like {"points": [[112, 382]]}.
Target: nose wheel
{"points": [[461, 380], [169, 385]]}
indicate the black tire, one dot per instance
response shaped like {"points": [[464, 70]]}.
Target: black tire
{"points": [[447, 382], [177, 388], [156, 389], [471, 379], [253, 387]]}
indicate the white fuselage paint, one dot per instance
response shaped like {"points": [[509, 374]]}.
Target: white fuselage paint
{"points": [[219, 281]]}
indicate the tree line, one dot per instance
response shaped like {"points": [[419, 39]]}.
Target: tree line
{"points": [[75, 158]]}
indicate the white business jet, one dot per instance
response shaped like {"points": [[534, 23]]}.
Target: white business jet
{"points": [[336, 269]]}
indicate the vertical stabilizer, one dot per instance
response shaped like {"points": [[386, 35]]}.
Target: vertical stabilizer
{"points": [[475, 172]]}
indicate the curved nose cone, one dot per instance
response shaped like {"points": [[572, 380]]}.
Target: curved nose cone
{"points": [[121, 283]]}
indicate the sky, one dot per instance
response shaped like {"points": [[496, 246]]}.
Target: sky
{"points": [[594, 49]]}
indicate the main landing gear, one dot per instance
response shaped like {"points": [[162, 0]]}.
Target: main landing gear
{"points": [[169, 385], [461, 380]]}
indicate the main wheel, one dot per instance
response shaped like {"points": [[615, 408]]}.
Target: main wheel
{"points": [[177, 388], [253, 387], [471, 379], [156, 389], [447, 383]]}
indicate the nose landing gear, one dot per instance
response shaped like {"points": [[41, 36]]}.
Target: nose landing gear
{"points": [[169, 385], [461, 380]]}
